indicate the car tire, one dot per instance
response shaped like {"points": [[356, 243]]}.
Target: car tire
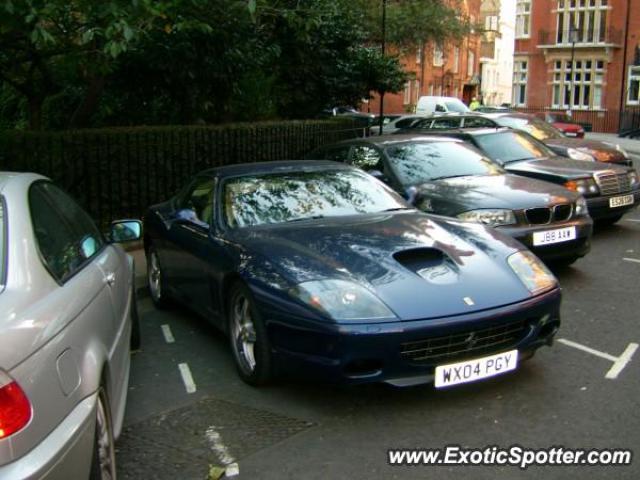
{"points": [[156, 279], [248, 337], [103, 464], [609, 221], [565, 262], [135, 341]]}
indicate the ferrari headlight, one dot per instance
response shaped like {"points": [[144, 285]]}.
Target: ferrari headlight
{"points": [[579, 155], [584, 186], [342, 300], [492, 217], [581, 207], [633, 178], [622, 151], [532, 272]]}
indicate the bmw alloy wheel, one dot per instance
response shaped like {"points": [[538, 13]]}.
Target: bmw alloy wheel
{"points": [[103, 466]]}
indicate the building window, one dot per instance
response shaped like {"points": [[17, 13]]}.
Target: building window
{"points": [[471, 63], [417, 89], [419, 55], [523, 18], [520, 83], [633, 97], [491, 23], [456, 59], [581, 21], [580, 88], [407, 93], [438, 55]]}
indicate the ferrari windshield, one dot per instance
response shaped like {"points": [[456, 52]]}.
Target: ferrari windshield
{"points": [[533, 126], [296, 196], [417, 163], [511, 146]]}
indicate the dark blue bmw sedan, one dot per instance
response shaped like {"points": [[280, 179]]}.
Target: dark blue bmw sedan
{"points": [[319, 270]]}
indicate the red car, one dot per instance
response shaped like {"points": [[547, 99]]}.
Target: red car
{"points": [[564, 123]]}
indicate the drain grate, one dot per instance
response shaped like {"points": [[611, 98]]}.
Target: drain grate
{"points": [[174, 445]]}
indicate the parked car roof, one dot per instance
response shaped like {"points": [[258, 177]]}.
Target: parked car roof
{"points": [[385, 140], [267, 167]]}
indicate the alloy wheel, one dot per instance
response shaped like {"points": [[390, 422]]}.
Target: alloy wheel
{"points": [[154, 276], [105, 446], [244, 334]]}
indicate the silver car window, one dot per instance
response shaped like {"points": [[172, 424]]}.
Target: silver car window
{"points": [[67, 237]]}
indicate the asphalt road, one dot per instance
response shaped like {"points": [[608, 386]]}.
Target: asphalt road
{"points": [[307, 431]]}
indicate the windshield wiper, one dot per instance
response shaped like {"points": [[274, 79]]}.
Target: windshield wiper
{"points": [[302, 219], [445, 177], [518, 160], [396, 209]]}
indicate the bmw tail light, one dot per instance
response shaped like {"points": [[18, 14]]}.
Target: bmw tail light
{"points": [[15, 409]]}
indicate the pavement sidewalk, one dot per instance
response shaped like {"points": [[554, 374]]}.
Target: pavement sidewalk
{"points": [[631, 145]]}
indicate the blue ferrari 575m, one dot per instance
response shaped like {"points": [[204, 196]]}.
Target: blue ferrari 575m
{"points": [[316, 269]]}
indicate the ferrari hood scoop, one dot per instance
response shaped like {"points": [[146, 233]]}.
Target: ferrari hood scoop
{"points": [[431, 264]]}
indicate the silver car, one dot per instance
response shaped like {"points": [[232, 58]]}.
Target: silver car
{"points": [[67, 312]]}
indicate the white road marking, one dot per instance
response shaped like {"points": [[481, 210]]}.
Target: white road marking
{"points": [[631, 220], [222, 452], [168, 336], [232, 470], [187, 378], [622, 361], [618, 362], [590, 350], [634, 260]]}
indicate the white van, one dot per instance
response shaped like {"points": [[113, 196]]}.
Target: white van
{"points": [[429, 104]]}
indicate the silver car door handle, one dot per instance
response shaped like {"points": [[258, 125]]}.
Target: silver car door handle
{"points": [[110, 279]]}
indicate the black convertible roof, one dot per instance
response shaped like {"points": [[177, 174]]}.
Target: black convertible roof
{"points": [[279, 166]]}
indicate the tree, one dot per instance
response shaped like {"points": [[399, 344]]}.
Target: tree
{"points": [[413, 23], [78, 63], [325, 57], [46, 43]]}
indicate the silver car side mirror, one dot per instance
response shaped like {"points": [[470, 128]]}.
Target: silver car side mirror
{"points": [[123, 231]]}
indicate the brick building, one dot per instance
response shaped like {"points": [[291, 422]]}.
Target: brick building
{"points": [[578, 56], [449, 69]]}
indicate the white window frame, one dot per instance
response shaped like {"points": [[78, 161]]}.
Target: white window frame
{"points": [[438, 55], [456, 59], [633, 76], [471, 63], [587, 83], [520, 77], [523, 18], [491, 23], [407, 93], [588, 18]]}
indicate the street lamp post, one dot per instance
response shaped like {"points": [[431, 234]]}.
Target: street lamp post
{"points": [[383, 49], [573, 32]]}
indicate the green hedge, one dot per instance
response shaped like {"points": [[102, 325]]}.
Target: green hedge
{"points": [[119, 172]]}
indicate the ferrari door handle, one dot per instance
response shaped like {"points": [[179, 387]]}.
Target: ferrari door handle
{"points": [[110, 279]]}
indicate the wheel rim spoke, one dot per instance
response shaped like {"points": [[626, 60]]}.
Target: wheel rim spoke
{"points": [[105, 445], [244, 334], [154, 276]]}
